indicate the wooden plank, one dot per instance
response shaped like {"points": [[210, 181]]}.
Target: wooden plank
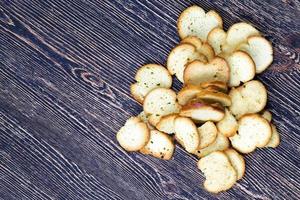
{"points": [[65, 71]]}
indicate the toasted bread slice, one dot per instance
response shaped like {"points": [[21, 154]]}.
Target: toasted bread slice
{"points": [[186, 133], [228, 125], [134, 135], [242, 68], [220, 144], [203, 48], [193, 21], [166, 124], [180, 56], [207, 51], [145, 118], [267, 115], [275, 138], [154, 119], [202, 112], [237, 34], [198, 72], [160, 145], [161, 102], [214, 88], [187, 93], [238, 103], [214, 97], [218, 171], [237, 161], [217, 85], [242, 36], [217, 38], [148, 77], [226, 43], [208, 133], [248, 98], [254, 131], [260, 50]]}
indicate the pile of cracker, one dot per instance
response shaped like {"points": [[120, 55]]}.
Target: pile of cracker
{"points": [[219, 114]]}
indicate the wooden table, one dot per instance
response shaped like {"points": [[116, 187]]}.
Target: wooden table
{"points": [[65, 71]]}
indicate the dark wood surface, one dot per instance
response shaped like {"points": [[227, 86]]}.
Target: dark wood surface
{"points": [[65, 71]]}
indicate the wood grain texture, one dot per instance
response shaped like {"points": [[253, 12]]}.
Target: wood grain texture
{"points": [[65, 71]]}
